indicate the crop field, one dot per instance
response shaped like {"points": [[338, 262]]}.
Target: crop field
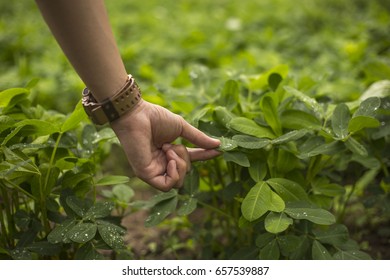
{"points": [[298, 92]]}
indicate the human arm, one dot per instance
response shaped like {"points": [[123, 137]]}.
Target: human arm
{"points": [[83, 31]]}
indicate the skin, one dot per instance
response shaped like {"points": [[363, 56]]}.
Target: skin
{"points": [[146, 133]]}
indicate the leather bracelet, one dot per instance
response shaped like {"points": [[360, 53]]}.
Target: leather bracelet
{"points": [[114, 107]]}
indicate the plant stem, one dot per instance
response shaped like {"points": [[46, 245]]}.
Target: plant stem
{"points": [[214, 209], [43, 188]]}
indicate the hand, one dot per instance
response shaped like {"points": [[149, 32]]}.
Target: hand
{"points": [[146, 134]]}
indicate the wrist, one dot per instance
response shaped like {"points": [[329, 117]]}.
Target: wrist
{"points": [[114, 107]]}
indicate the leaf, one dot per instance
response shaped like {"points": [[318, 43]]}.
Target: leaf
{"points": [[250, 142], [277, 222], [238, 158], [290, 136], [331, 190], [7, 95], [227, 144], [250, 127], [191, 182], [77, 205], [88, 252], [271, 114], [188, 206], [310, 102], [36, 127], [355, 147], [351, 255], [302, 210], [335, 235], [257, 170], [111, 236], [368, 107], [59, 233], [319, 252], [100, 209], [82, 233], [78, 115], [294, 119], [44, 248], [259, 200], [324, 149], [359, 122], [270, 251], [163, 196], [263, 239], [288, 190], [222, 115], [378, 89], [112, 180], [230, 94], [160, 211], [274, 80], [123, 193], [340, 120]]}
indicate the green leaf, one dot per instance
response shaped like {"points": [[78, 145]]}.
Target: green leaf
{"points": [[44, 248], [277, 222], [36, 127], [78, 115], [263, 239], [302, 210], [340, 121], [88, 252], [368, 107], [274, 80], [250, 127], [270, 251], [324, 149], [359, 122], [335, 235], [259, 200], [271, 114], [123, 193], [60, 232], [112, 180], [351, 255], [160, 211], [227, 144], [327, 189], [250, 142], [188, 206], [163, 196], [238, 158], [222, 115], [7, 95], [100, 209], [82, 233], [294, 119], [319, 252], [290, 136], [230, 94], [310, 102], [355, 147], [257, 170], [77, 205], [191, 182], [288, 190], [111, 236]]}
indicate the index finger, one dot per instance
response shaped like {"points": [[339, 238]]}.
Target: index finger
{"points": [[197, 137]]}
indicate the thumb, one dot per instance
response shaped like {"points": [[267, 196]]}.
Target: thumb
{"points": [[197, 137]]}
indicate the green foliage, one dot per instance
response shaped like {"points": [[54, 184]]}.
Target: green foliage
{"points": [[301, 109]]}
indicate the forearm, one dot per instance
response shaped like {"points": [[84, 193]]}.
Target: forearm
{"points": [[82, 29]]}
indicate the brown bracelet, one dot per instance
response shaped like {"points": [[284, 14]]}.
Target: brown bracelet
{"points": [[112, 108]]}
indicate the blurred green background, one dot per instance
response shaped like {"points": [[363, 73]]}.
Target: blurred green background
{"points": [[340, 46]]}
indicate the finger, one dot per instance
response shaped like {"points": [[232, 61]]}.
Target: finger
{"points": [[198, 154], [181, 165], [166, 181], [197, 137], [181, 151]]}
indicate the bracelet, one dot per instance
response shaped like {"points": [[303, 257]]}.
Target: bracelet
{"points": [[114, 107]]}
